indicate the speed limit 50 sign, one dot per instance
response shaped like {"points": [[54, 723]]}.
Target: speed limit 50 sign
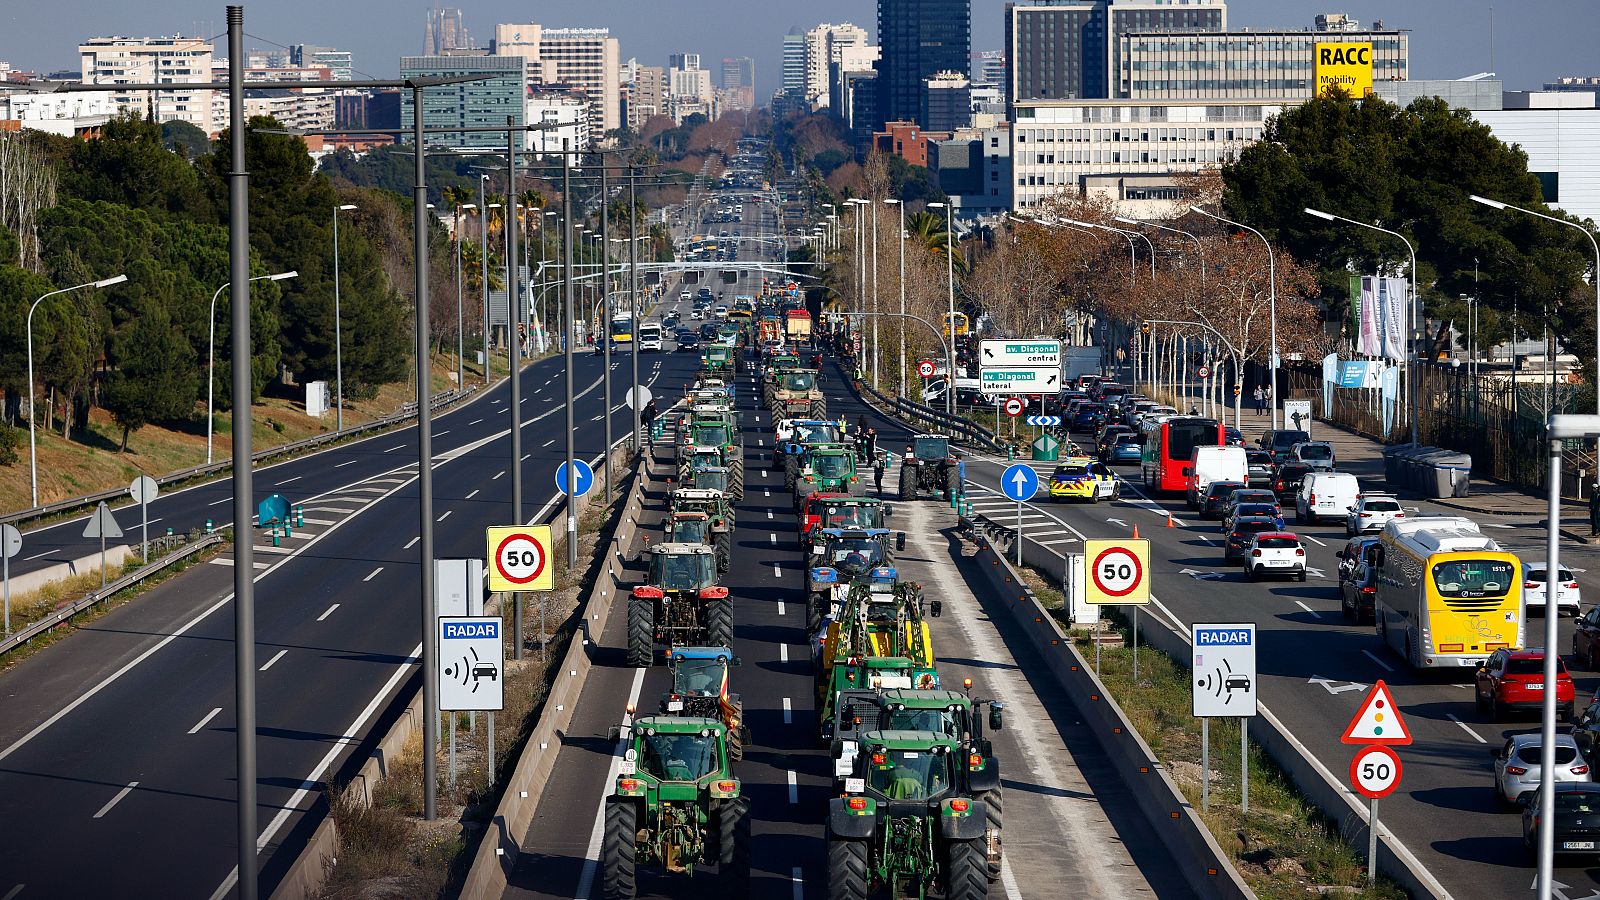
{"points": [[1375, 771], [520, 558], [1116, 571]]}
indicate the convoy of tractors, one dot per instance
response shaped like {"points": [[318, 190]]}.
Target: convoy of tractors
{"points": [[916, 805]]}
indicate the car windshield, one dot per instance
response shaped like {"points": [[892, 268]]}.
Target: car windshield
{"points": [[1253, 495], [835, 465], [801, 381], [911, 774], [688, 531], [1316, 451], [855, 516], [1278, 543], [855, 555], [703, 677], [1064, 473], [682, 571], [711, 435], [1293, 472], [1537, 576], [1258, 458], [1529, 753], [1222, 490], [1581, 802], [1470, 578], [1531, 665], [1127, 439], [939, 721], [930, 449], [679, 757], [816, 434]]}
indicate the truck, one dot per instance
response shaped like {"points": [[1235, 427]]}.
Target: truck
{"points": [[797, 325], [1077, 362]]}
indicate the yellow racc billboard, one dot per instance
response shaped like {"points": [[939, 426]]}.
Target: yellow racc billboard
{"points": [[1347, 66]]}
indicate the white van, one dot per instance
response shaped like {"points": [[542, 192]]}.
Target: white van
{"points": [[1209, 464], [649, 337], [1326, 495]]}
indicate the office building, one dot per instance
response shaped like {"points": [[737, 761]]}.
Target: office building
{"points": [[1067, 49], [1243, 64], [973, 167], [683, 60], [858, 102], [907, 140], [587, 60], [989, 67], [308, 110], [569, 113], [690, 91], [851, 61], [794, 61], [917, 39], [175, 60], [447, 30], [339, 63], [646, 95], [738, 72], [946, 102], [827, 44], [468, 104]]}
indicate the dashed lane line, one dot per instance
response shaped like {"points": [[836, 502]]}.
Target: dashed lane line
{"points": [[204, 720]]}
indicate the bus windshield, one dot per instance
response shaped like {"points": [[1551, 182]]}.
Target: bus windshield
{"points": [[1186, 434], [621, 327], [1471, 578]]}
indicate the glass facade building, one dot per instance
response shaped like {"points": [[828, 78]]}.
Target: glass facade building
{"points": [[1242, 65], [918, 39], [468, 104]]}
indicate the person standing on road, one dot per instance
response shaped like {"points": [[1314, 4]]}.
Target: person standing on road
{"points": [[1594, 510], [880, 461], [647, 418], [871, 439]]}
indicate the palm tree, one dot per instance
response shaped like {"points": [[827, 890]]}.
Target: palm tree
{"points": [[928, 230], [472, 267]]}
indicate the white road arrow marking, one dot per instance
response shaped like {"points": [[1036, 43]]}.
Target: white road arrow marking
{"points": [[1315, 572], [1202, 576], [1335, 687], [1118, 522]]}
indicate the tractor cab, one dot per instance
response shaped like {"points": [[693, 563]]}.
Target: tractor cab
{"points": [[700, 688], [689, 528], [711, 478]]}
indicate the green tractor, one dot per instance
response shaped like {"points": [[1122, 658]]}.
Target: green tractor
{"points": [[700, 689], [908, 821], [932, 466], [719, 431], [824, 468], [719, 519], [676, 805], [680, 604], [795, 394], [719, 359], [775, 369]]}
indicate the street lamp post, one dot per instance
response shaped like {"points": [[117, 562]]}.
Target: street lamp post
{"points": [[211, 360], [33, 453], [1414, 373], [1272, 294], [483, 260], [338, 323], [950, 318], [901, 232]]}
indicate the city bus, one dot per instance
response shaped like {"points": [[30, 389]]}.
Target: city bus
{"points": [[960, 320], [622, 329], [1447, 596], [1169, 444]]}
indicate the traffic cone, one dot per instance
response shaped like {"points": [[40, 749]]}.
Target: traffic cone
{"points": [[1169, 520], [1136, 532]]}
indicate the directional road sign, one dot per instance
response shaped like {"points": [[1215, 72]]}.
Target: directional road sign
{"points": [[519, 558], [1019, 381], [472, 658], [1046, 421], [1375, 772], [579, 485], [1118, 571], [1021, 354], [1377, 721], [925, 368], [1224, 669], [10, 540], [1019, 482], [1014, 407]]}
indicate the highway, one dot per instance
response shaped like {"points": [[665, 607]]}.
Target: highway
{"points": [[1315, 667], [120, 737]]}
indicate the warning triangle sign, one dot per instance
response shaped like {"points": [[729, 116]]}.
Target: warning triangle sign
{"points": [[1377, 721]]}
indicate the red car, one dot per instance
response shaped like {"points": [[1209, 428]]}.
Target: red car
{"points": [[1514, 680]]}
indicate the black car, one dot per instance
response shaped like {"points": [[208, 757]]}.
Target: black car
{"points": [[1217, 496], [1576, 818], [1286, 484], [687, 340], [1238, 540]]}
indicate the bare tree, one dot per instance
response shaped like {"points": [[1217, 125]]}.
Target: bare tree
{"points": [[27, 186]]}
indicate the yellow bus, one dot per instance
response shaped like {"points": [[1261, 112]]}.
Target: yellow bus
{"points": [[960, 320], [1447, 595]]}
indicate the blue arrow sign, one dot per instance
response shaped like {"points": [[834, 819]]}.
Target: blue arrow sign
{"points": [[1048, 421], [1019, 482], [581, 484]]}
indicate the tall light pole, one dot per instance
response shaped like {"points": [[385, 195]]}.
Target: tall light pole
{"points": [[1413, 368], [1197, 245], [1497, 204], [211, 362], [483, 260], [338, 323], [1272, 294], [901, 233], [875, 295], [461, 323], [950, 316], [33, 453]]}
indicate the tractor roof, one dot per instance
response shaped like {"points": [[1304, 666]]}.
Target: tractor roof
{"points": [[677, 725], [926, 699], [701, 653], [681, 550], [855, 532], [906, 740]]}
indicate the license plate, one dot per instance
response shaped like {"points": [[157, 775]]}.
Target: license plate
{"points": [[1277, 562], [1577, 845]]}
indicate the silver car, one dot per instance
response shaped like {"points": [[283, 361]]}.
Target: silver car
{"points": [[1516, 765]]}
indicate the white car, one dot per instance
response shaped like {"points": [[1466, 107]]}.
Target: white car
{"points": [[1535, 589], [1275, 553], [685, 296], [1371, 513], [697, 313], [1516, 764]]}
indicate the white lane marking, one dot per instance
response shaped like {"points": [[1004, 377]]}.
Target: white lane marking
{"points": [[117, 799], [776, 572], [288, 481], [772, 538], [526, 456], [207, 718], [1465, 727], [1307, 608], [498, 475], [350, 463], [374, 573], [48, 552], [780, 608], [765, 492], [411, 543], [769, 515], [473, 494], [445, 516], [794, 879], [275, 657], [441, 433], [328, 612], [474, 421], [549, 442], [1385, 666], [18, 889], [783, 653], [1313, 540], [393, 449], [788, 714], [794, 788], [591, 857]]}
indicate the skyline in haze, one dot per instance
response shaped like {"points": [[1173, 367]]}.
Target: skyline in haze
{"points": [[1535, 41]]}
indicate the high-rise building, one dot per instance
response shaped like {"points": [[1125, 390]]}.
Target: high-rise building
{"points": [[1242, 64], [989, 67], [683, 60], [447, 30], [690, 89], [794, 61], [646, 94], [851, 61], [917, 39], [1068, 49], [584, 59], [339, 62], [176, 60], [827, 44], [470, 104], [738, 72], [568, 115], [946, 102]]}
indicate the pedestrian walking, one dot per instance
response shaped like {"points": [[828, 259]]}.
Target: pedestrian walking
{"points": [[1594, 510], [1256, 395], [1266, 396], [647, 418], [879, 463]]}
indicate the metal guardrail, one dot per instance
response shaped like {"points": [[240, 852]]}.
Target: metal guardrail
{"points": [[408, 411], [98, 596], [961, 428]]}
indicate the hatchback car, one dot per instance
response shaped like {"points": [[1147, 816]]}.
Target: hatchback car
{"points": [[1275, 553], [1126, 451], [1237, 543], [1258, 465], [1247, 495], [1371, 513], [1083, 479], [1358, 591], [1513, 680], [1576, 822], [1232, 437], [1516, 764], [1088, 417], [1316, 454], [1536, 589], [1216, 497], [1240, 511]]}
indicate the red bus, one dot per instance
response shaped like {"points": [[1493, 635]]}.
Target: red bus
{"points": [[1169, 445]]}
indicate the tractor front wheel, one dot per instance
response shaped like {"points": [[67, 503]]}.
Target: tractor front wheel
{"points": [[719, 622], [965, 873], [619, 851], [641, 633], [733, 846], [736, 479], [791, 472], [847, 869]]}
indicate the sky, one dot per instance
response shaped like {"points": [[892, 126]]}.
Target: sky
{"points": [[1534, 40]]}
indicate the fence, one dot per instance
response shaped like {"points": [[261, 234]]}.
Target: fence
{"points": [[969, 431]]}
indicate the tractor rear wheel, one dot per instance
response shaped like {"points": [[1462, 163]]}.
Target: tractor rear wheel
{"points": [[847, 869], [619, 851], [738, 733], [993, 849], [723, 542], [733, 845], [908, 482], [791, 472], [819, 409], [816, 606], [951, 481], [641, 632], [965, 874], [719, 622], [736, 479]]}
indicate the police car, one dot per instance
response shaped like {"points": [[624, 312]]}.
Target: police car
{"points": [[1084, 478]]}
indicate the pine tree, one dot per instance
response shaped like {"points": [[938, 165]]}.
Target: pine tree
{"points": [[152, 380]]}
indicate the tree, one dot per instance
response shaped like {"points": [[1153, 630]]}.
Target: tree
{"points": [[185, 139], [27, 187], [130, 165], [150, 383]]}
